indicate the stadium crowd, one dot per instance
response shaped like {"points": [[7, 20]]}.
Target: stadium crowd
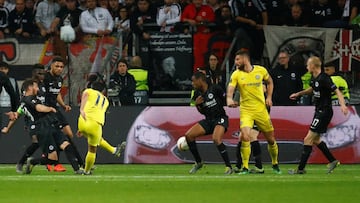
{"points": [[42, 19]]}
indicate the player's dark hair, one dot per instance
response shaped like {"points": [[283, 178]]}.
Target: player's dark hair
{"points": [[27, 83], [242, 52], [200, 75], [98, 85], [57, 59]]}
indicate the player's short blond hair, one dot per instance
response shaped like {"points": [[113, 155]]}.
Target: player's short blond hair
{"points": [[315, 61]]}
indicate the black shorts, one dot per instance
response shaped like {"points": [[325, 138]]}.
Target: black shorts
{"points": [[44, 133], [59, 137], [61, 118], [321, 120], [209, 124]]}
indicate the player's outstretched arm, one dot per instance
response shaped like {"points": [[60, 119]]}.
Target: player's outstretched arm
{"points": [[294, 96]]}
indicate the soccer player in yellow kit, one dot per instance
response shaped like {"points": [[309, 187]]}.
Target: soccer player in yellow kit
{"points": [[91, 120], [249, 79]]}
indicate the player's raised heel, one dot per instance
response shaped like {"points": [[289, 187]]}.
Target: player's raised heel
{"points": [[332, 165]]}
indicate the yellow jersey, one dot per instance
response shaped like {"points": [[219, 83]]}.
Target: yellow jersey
{"points": [[96, 106], [250, 85]]}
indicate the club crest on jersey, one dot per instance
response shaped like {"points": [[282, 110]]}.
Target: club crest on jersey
{"points": [[59, 84], [43, 89], [210, 96], [257, 77], [292, 75], [316, 84], [51, 147]]}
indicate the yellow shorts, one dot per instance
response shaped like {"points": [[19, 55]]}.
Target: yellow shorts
{"points": [[90, 129], [262, 120]]}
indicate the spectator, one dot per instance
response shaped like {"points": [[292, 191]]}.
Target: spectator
{"points": [[5, 100], [286, 81], [214, 4], [103, 3], [114, 8], [4, 20], [297, 17], [276, 10], [141, 76], [45, 14], [68, 15], [130, 5], [9, 4], [340, 83], [82, 5], [214, 72], [250, 17], [225, 23], [96, 20], [168, 15], [198, 19], [323, 12], [345, 11], [124, 84], [144, 14], [123, 23], [306, 100], [198, 16], [21, 20], [30, 5]]}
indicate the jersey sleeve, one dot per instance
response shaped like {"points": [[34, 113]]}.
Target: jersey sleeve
{"points": [[233, 79], [329, 83]]}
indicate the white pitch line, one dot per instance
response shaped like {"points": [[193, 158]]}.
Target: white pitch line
{"points": [[158, 178]]}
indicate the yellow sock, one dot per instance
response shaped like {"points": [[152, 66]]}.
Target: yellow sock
{"points": [[105, 145], [274, 152], [89, 161], [245, 151]]}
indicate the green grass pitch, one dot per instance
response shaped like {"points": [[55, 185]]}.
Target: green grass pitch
{"points": [[172, 183]]}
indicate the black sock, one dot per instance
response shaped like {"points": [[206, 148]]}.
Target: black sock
{"points": [[238, 155], [256, 151], [77, 154], [304, 156], [194, 151], [325, 150], [70, 155], [224, 154], [28, 152], [42, 161]]}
